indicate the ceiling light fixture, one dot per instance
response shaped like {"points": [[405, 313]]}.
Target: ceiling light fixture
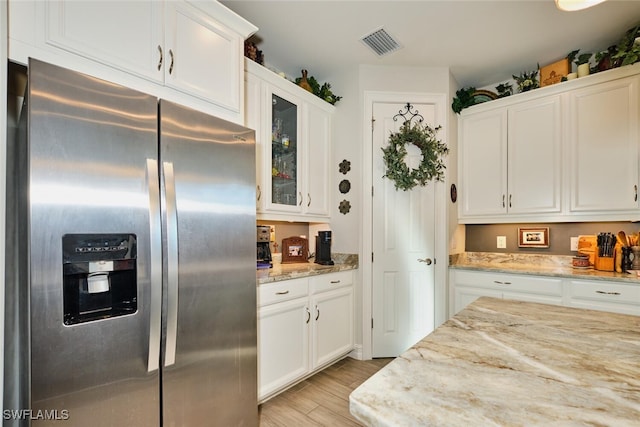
{"points": [[572, 5]]}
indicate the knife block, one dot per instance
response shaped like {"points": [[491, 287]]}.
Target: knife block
{"points": [[604, 263]]}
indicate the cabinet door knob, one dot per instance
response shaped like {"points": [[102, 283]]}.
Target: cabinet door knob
{"points": [[510, 200], [259, 192], [161, 57], [309, 197], [308, 315], [282, 293], [426, 260], [300, 197], [497, 282], [318, 313], [503, 205], [635, 193], [333, 282]]}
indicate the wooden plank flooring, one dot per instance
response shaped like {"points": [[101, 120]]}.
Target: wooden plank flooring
{"points": [[320, 400]]}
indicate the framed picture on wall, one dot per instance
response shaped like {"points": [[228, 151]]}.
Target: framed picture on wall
{"points": [[537, 237]]}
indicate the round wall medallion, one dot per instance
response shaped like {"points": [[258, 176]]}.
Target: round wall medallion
{"points": [[345, 166], [344, 186], [454, 193], [345, 207]]}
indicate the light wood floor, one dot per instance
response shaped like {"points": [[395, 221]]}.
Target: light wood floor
{"points": [[320, 400]]}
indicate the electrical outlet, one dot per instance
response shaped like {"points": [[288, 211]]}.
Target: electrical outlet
{"points": [[574, 243], [502, 242]]}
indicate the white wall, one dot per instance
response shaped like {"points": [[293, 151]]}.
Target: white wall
{"points": [[456, 232], [346, 145], [351, 83]]}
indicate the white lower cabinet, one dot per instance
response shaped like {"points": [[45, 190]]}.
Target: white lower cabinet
{"points": [[303, 325], [616, 297], [283, 344], [604, 296], [332, 327], [467, 286]]}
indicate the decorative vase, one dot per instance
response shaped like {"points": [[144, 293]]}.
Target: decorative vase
{"points": [[304, 83], [583, 70]]}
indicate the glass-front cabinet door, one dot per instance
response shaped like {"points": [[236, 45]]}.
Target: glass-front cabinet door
{"points": [[285, 155]]}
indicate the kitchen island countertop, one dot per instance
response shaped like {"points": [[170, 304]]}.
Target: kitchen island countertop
{"points": [[297, 270], [509, 363]]}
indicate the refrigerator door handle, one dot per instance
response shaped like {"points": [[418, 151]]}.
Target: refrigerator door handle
{"points": [[155, 249], [172, 263]]}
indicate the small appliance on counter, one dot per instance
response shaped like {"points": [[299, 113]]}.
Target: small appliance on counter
{"points": [[263, 252], [323, 248]]}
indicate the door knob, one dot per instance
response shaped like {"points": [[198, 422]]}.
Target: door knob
{"points": [[426, 260]]}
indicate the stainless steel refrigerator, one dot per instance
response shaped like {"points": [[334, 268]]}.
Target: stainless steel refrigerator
{"points": [[133, 267]]}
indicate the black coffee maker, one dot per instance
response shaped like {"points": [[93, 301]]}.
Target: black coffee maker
{"points": [[323, 248], [263, 252]]}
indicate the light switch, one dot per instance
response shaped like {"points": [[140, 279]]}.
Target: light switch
{"points": [[502, 242]]}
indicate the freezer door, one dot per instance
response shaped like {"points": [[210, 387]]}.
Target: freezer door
{"points": [[92, 173], [209, 358]]}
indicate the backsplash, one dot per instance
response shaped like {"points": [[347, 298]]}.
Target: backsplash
{"points": [[482, 238]]}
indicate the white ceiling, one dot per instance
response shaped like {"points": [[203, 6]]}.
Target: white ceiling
{"points": [[483, 42]]}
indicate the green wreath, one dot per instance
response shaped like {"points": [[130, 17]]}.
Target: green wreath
{"points": [[431, 166]]}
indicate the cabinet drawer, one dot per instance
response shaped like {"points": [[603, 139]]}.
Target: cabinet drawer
{"points": [[325, 282], [285, 290], [605, 291], [510, 282]]}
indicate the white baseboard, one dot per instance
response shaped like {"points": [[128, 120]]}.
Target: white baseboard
{"points": [[356, 353]]}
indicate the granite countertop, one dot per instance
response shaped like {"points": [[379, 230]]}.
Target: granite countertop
{"points": [[541, 265], [297, 270], [508, 363]]}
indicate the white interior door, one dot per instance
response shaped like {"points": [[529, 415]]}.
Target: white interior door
{"points": [[403, 239]]}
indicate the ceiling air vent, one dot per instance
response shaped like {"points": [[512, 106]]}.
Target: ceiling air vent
{"points": [[381, 42]]}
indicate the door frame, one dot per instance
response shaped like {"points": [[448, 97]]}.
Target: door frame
{"points": [[441, 226]]}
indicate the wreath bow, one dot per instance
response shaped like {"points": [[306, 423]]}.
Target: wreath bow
{"points": [[431, 166]]}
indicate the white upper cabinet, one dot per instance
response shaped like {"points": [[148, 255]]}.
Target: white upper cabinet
{"points": [[604, 147], [89, 29], [534, 156], [483, 162], [510, 160], [567, 152], [202, 56], [293, 147], [187, 52], [317, 160]]}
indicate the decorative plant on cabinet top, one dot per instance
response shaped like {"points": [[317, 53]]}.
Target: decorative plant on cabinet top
{"points": [[311, 84]]}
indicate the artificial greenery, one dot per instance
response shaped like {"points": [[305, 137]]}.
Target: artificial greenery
{"points": [[627, 50], [504, 89], [579, 59], [431, 166], [463, 99], [323, 91], [527, 81]]}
